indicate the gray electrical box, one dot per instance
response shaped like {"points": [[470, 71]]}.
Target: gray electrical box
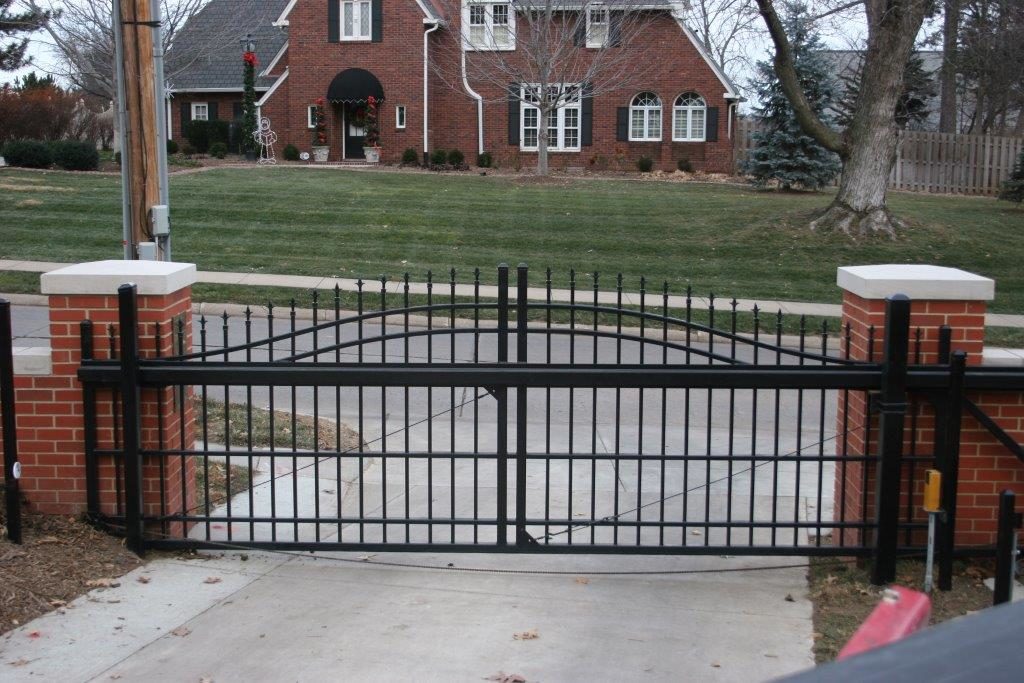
{"points": [[160, 218], [147, 251]]}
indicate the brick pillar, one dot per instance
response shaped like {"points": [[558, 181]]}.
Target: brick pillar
{"points": [[50, 406], [939, 296]]}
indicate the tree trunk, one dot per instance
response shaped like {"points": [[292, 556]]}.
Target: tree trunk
{"points": [[870, 150], [542, 142], [950, 32]]}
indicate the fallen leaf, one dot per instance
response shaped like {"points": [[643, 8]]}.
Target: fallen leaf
{"points": [[105, 582], [19, 662], [695, 533], [143, 579], [212, 579], [47, 540], [502, 677], [527, 635], [716, 665], [790, 598], [582, 580], [34, 634], [57, 603], [205, 679], [366, 558], [181, 631], [114, 677]]}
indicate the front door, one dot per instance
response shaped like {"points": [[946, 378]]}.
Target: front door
{"points": [[354, 133]]}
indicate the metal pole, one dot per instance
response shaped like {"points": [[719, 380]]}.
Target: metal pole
{"points": [[12, 468], [892, 406], [128, 317], [951, 467], [501, 394], [161, 120], [92, 476], [122, 123], [1006, 548], [522, 538]]}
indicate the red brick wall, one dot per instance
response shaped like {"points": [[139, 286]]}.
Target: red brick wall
{"points": [[50, 414], [986, 467], [397, 62]]}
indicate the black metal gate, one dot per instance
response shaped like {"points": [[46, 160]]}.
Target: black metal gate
{"points": [[454, 417]]}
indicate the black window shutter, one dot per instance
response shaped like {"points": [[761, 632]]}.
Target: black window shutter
{"points": [[579, 37], [513, 114], [615, 29], [236, 110], [377, 21], [711, 125], [186, 114], [622, 124], [587, 116], [333, 21], [211, 110]]}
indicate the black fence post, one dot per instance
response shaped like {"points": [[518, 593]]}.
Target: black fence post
{"points": [[950, 465], [522, 276], [92, 478], [892, 406], [501, 395], [128, 319], [1006, 548], [12, 469]]}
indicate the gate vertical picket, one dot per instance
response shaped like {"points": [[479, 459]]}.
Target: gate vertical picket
{"points": [[950, 464], [128, 319], [892, 406], [522, 538], [501, 394], [92, 477]]}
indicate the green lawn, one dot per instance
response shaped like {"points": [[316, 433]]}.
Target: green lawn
{"points": [[730, 240]]}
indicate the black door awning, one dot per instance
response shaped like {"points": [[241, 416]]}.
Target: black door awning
{"points": [[354, 86]]}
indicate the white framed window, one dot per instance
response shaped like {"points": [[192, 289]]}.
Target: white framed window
{"points": [[645, 117], [311, 116], [597, 26], [400, 116], [200, 111], [563, 122], [356, 20], [689, 117], [488, 25]]}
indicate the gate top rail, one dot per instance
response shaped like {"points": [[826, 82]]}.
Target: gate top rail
{"points": [[647, 322]]}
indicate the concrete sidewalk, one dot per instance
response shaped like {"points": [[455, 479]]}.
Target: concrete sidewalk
{"points": [[274, 617], [584, 294]]}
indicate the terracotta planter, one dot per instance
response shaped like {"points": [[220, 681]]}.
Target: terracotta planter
{"points": [[320, 154]]}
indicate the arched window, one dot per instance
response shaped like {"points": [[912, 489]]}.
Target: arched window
{"points": [[645, 117], [688, 115]]}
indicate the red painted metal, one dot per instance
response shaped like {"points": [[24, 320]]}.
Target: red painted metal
{"points": [[901, 612]]}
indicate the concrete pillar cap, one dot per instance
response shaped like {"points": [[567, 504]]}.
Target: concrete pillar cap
{"points": [[917, 281], [153, 278]]}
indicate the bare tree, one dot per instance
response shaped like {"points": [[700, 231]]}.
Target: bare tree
{"points": [[727, 28], [81, 34], [867, 147], [557, 52]]}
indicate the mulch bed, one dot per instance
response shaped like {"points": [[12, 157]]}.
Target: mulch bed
{"points": [[60, 559]]}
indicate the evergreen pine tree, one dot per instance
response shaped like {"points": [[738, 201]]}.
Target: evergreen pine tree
{"points": [[12, 54], [782, 151], [1013, 189]]}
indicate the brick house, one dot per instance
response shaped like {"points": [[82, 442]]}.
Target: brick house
{"points": [[346, 50]]}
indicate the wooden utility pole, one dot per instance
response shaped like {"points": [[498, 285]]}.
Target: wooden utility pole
{"points": [[140, 137]]}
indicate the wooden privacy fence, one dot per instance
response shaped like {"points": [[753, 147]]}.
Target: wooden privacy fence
{"points": [[933, 162]]}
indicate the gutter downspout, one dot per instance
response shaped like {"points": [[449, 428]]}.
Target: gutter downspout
{"points": [[479, 102], [426, 89]]}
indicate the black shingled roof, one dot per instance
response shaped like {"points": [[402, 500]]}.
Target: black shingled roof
{"points": [[207, 52]]}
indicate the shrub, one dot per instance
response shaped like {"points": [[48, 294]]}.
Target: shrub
{"points": [[410, 157], [198, 135], [172, 146], [187, 149], [117, 158], [645, 164], [219, 150], [1013, 189], [28, 154], [484, 160], [219, 131], [438, 157], [76, 155], [684, 165], [456, 157], [291, 153]]}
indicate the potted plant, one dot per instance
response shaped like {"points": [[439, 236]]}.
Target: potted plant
{"points": [[320, 147], [371, 148]]}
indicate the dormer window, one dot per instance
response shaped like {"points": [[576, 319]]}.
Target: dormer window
{"points": [[597, 26], [491, 26]]}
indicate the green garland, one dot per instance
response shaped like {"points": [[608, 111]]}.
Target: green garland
{"points": [[249, 103]]}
